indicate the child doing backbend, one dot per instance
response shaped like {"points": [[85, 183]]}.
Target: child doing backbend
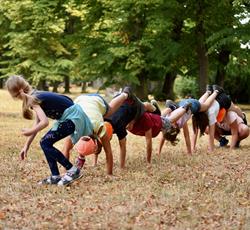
{"points": [[70, 120], [97, 109], [199, 117], [150, 125], [232, 124]]}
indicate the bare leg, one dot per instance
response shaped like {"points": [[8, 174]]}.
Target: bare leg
{"points": [[176, 114], [115, 103], [243, 131], [204, 97], [67, 147], [209, 101]]}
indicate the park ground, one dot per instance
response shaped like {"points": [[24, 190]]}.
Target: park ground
{"points": [[203, 191]]}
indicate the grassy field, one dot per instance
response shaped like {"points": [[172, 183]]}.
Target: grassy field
{"points": [[205, 191]]}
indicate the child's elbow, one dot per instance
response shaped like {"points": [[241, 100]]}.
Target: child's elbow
{"points": [[45, 124]]}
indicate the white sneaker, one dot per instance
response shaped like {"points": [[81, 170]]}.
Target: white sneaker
{"points": [[70, 176]]}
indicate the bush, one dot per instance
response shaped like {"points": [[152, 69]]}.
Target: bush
{"points": [[186, 86]]}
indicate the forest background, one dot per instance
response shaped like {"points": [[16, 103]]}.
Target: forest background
{"points": [[165, 48]]}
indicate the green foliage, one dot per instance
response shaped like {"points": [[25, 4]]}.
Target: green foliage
{"points": [[121, 42], [186, 86]]}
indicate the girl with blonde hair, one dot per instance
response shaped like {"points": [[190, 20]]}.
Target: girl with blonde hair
{"points": [[70, 120]]}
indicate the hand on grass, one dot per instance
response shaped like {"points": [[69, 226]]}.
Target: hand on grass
{"points": [[23, 153]]}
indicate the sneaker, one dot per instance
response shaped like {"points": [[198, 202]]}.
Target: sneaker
{"points": [[218, 88], [244, 118], [187, 106], [172, 105], [223, 142], [157, 108], [50, 180], [128, 91], [80, 161], [70, 176], [209, 89]]}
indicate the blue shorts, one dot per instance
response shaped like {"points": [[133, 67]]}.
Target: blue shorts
{"points": [[195, 108]]}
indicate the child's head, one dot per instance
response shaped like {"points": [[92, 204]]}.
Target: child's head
{"points": [[19, 88], [170, 134], [16, 85], [200, 121], [88, 145]]}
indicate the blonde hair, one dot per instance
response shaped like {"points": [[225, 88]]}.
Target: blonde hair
{"points": [[18, 86]]}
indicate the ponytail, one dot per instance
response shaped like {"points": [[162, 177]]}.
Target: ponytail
{"points": [[18, 86]]}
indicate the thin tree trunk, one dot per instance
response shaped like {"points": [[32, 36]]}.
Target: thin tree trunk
{"points": [[1, 83], [168, 85], [142, 89], [223, 59], [201, 51], [66, 84]]}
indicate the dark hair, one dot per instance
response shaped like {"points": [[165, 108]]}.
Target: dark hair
{"points": [[171, 134], [200, 121]]}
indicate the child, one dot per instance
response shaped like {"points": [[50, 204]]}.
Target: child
{"points": [[97, 109], [71, 120], [234, 125], [125, 115], [200, 119], [150, 125]]}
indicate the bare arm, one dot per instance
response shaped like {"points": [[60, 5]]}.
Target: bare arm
{"points": [[148, 136], [108, 151], [211, 138], [187, 138], [234, 131], [123, 150], [162, 140], [194, 137], [40, 123]]}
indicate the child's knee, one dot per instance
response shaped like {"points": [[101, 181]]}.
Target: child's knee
{"points": [[45, 143]]}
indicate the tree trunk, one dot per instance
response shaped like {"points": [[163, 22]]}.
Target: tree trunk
{"points": [[168, 85], [55, 86], [1, 83], [223, 59], [201, 50], [203, 66], [66, 84], [42, 85], [84, 87], [142, 89]]}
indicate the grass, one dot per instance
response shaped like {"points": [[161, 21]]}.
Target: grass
{"points": [[205, 191]]}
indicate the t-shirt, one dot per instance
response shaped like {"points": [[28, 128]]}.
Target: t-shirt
{"points": [[230, 117], [120, 119], [95, 107], [53, 104], [212, 113], [180, 123], [147, 121]]}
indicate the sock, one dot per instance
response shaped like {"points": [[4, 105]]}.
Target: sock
{"points": [[73, 169], [81, 157]]}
